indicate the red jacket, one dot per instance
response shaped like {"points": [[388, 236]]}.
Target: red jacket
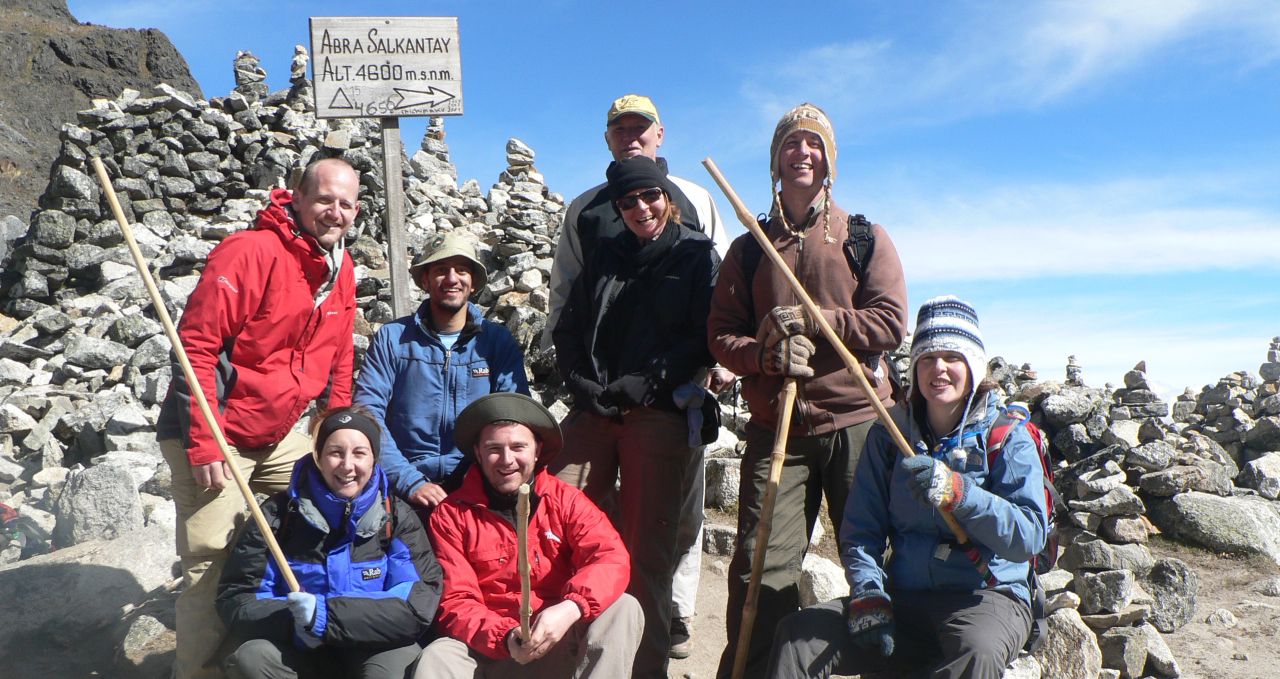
{"points": [[260, 347], [574, 554]]}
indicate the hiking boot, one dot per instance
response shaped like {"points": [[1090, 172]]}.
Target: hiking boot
{"points": [[681, 645]]}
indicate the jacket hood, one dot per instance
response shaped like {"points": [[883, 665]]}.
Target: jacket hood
{"points": [[277, 217]]}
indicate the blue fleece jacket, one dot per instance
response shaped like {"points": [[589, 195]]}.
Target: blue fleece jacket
{"points": [[1003, 511], [416, 388]]}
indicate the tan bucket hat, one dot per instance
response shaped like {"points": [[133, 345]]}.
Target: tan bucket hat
{"points": [[446, 245]]}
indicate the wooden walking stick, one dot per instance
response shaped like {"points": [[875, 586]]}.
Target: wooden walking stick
{"points": [[172, 333], [850, 362], [522, 558], [776, 457]]}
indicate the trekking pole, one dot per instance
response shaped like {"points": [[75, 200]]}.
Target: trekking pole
{"points": [[522, 558], [776, 457], [850, 361], [172, 333]]}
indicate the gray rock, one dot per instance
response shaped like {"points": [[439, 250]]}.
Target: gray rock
{"points": [[1117, 501], [1098, 554], [1226, 524], [1104, 592], [1123, 433], [98, 503], [147, 642], [1070, 650], [1222, 618], [718, 540], [1159, 658], [1263, 475], [821, 580], [13, 372], [1265, 434], [1023, 667], [1124, 529], [1174, 588], [723, 479], [1204, 476], [69, 182], [56, 601], [15, 420], [1068, 406], [94, 353], [10, 470], [1124, 649], [1151, 457]]}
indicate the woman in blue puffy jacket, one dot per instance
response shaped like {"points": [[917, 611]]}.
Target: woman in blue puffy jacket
{"points": [[921, 604], [370, 582]]}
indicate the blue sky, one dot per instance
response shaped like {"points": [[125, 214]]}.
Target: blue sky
{"points": [[1098, 178]]}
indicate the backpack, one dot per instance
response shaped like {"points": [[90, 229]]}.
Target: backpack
{"points": [[1013, 416], [1017, 415], [859, 246]]}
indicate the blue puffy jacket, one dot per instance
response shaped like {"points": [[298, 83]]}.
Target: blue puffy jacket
{"points": [[416, 388], [1003, 512], [368, 562]]}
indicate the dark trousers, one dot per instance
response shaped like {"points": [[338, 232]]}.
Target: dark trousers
{"points": [[263, 659], [815, 466], [940, 635], [646, 456]]}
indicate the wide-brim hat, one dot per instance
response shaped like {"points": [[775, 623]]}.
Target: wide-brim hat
{"points": [[510, 407], [446, 245]]}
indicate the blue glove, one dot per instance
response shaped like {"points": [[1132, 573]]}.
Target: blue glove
{"points": [[870, 621], [932, 482], [303, 607]]}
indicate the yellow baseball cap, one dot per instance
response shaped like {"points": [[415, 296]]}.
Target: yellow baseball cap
{"points": [[633, 103]]}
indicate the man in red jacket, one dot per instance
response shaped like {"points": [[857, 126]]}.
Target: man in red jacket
{"points": [[268, 331], [584, 624]]}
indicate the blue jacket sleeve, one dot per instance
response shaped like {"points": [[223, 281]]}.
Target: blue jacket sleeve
{"points": [[507, 363], [1007, 514], [864, 530], [374, 390]]}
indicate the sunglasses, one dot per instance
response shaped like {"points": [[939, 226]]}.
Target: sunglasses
{"points": [[649, 196]]}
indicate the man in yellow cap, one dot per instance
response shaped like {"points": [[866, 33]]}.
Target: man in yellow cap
{"points": [[423, 369]]}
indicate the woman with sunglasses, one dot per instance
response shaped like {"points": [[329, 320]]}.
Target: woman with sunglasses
{"points": [[630, 339]]}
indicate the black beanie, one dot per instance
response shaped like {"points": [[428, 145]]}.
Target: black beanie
{"points": [[349, 418], [637, 172]]}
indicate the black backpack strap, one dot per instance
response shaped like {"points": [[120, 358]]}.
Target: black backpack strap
{"points": [[859, 245], [751, 255]]}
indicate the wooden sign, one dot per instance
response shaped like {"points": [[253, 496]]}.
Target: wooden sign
{"points": [[386, 67]]}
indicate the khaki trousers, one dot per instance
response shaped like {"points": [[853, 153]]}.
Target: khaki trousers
{"points": [[603, 649], [207, 520]]}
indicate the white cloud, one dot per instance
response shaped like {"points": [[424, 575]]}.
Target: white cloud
{"points": [[1125, 226], [1009, 57]]}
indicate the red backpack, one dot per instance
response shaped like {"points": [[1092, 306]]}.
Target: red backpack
{"points": [[1017, 415]]}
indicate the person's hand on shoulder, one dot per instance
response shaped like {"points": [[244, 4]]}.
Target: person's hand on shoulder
{"points": [[428, 495]]}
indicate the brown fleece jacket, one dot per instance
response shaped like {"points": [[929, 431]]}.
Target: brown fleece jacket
{"points": [[869, 315]]}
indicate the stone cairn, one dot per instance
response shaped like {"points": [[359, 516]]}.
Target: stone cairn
{"points": [[84, 365]]}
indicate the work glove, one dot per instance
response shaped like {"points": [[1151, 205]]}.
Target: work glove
{"points": [[303, 607], [786, 321], [870, 621], [789, 357], [629, 391], [588, 394], [932, 482]]}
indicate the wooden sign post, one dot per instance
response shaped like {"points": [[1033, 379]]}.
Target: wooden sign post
{"points": [[387, 68]]}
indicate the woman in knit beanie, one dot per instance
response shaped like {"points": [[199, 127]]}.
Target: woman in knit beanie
{"points": [[923, 604], [634, 331], [370, 583]]}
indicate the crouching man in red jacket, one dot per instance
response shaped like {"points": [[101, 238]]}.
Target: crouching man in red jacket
{"points": [[584, 625]]}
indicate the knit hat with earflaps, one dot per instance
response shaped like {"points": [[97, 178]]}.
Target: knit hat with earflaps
{"points": [[810, 118], [948, 323], [446, 245]]}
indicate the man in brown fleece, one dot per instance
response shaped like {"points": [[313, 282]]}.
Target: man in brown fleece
{"points": [[759, 330]]}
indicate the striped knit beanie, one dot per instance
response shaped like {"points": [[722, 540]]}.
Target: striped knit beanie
{"points": [[948, 323]]}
